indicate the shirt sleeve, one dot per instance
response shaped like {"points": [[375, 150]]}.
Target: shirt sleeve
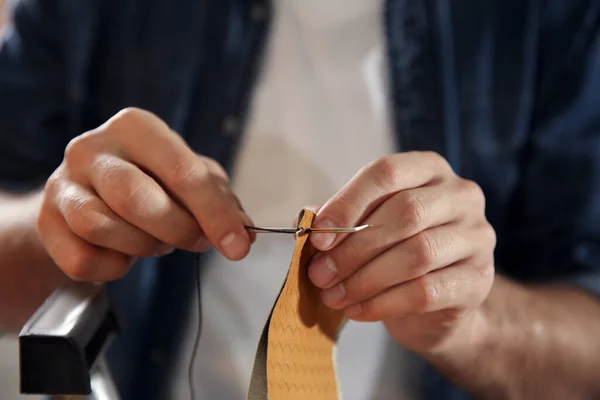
{"points": [[554, 225], [33, 117]]}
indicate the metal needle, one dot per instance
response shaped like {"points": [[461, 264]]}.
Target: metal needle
{"points": [[293, 231], [256, 229]]}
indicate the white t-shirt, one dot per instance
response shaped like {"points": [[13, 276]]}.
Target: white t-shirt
{"points": [[319, 114]]}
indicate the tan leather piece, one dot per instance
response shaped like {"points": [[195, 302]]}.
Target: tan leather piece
{"points": [[295, 357]]}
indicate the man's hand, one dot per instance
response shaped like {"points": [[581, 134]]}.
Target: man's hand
{"points": [[133, 188], [428, 266]]}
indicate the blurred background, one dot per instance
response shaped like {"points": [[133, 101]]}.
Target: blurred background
{"points": [[9, 356]]}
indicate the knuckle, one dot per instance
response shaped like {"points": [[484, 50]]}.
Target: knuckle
{"points": [[215, 168], [90, 224], [132, 116], [438, 160], [58, 193], [78, 150], [52, 184], [130, 194], [486, 273], [426, 251], [187, 172], [472, 192], [385, 171], [413, 210], [416, 268], [489, 235], [135, 197], [489, 275], [78, 266], [131, 121], [425, 294]]}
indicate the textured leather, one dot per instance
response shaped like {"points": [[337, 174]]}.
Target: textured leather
{"points": [[295, 358]]}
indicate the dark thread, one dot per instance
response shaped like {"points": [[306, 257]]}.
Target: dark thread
{"points": [[198, 329]]}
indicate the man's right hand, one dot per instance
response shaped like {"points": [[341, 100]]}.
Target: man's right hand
{"points": [[133, 188]]}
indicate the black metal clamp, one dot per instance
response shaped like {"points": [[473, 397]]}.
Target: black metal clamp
{"points": [[61, 346]]}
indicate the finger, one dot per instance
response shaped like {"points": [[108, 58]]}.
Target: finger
{"points": [[93, 221], [373, 185], [187, 176], [139, 200], [421, 254], [404, 215], [234, 199], [457, 286], [223, 182], [215, 168], [76, 258]]}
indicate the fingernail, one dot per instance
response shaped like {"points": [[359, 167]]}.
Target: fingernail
{"points": [[163, 250], [322, 271], [248, 222], [323, 241], [333, 297], [234, 245], [203, 244]]}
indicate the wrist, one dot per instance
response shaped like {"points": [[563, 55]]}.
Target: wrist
{"points": [[27, 274], [20, 242], [471, 337], [25, 211]]}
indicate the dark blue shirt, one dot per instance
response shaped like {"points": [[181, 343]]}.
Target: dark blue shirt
{"points": [[508, 91]]}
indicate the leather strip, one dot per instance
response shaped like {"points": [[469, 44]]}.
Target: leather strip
{"points": [[295, 357]]}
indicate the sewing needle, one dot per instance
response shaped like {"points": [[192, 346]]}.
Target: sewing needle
{"points": [[293, 231]]}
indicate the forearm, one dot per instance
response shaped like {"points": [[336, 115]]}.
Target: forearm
{"points": [[528, 342], [27, 274]]}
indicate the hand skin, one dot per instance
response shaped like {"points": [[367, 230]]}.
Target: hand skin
{"points": [[130, 188], [27, 274], [428, 273], [133, 188]]}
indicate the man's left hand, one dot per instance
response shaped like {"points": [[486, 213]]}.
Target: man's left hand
{"points": [[427, 268]]}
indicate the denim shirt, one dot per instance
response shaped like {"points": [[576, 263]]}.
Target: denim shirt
{"points": [[507, 90]]}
